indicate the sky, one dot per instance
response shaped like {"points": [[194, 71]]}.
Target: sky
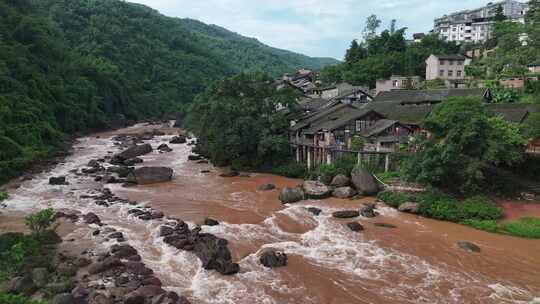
{"points": [[319, 28]]}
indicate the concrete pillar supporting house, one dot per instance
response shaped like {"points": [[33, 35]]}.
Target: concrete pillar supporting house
{"points": [[309, 159], [297, 154], [359, 159], [387, 162], [328, 157]]}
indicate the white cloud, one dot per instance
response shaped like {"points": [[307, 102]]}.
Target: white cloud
{"points": [[312, 27]]}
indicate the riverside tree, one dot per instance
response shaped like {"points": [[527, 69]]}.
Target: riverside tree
{"points": [[241, 121], [464, 141]]}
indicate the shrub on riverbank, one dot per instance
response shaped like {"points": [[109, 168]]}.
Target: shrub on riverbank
{"points": [[292, 170], [485, 225], [396, 199], [527, 227], [3, 196], [325, 173], [17, 299]]}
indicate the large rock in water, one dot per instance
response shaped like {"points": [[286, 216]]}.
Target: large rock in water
{"points": [[214, 254], [344, 192], [316, 190], [340, 180], [363, 181], [151, 175], [135, 151], [291, 195]]}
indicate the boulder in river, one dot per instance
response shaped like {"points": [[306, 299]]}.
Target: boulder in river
{"points": [[57, 181], [214, 254], [355, 226], [468, 246], [409, 207], [340, 180], [346, 214], [368, 211], [291, 195], [229, 172], [91, 218], [63, 298], [150, 175], [314, 211], [136, 151], [316, 190], [164, 148], [363, 181], [344, 192], [177, 140], [271, 258]]}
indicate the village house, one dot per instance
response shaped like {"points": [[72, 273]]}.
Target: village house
{"points": [[397, 82], [450, 68], [385, 123], [534, 67], [344, 92]]}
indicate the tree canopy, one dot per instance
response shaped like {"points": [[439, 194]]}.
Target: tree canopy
{"points": [[464, 141], [386, 54], [241, 121]]}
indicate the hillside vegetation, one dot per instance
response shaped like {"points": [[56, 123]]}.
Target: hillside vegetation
{"points": [[77, 65]]}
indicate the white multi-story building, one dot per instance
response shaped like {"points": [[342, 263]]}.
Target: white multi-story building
{"points": [[475, 25]]}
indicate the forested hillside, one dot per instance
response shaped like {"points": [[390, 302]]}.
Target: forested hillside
{"points": [[75, 65]]}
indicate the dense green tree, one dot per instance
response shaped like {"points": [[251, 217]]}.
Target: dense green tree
{"points": [[241, 121], [499, 13], [384, 55], [464, 140]]}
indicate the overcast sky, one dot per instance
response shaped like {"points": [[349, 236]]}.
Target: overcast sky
{"points": [[313, 27]]}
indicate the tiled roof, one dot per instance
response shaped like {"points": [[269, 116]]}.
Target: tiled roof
{"points": [[422, 96], [451, 57], [379, 127]]}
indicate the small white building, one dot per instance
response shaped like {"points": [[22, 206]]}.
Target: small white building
{"points": [[446, 67]]}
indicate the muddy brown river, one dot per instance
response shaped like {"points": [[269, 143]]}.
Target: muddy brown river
{"points": [[418, 262]]}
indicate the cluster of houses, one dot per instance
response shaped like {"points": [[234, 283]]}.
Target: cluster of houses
{"points": [[334, 120]]}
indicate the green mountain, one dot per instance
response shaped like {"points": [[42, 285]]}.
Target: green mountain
{"points": [[76, 65]]}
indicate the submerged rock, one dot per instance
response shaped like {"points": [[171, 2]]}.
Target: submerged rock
{"points": [[385, 225], [150, 175], [266, 187], [194, 157], [229, 173], [316, 190], [355, 226], [468, 246], [291, 195], [272, 259], [363, 181], [346, 214]]}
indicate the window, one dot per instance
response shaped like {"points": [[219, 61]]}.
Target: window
{"points": [[361, 125], [441, 73], [441, 62], [395, 83], [460, 62], [450, 73], [454, 29], [451, 62], [459, 73]]}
